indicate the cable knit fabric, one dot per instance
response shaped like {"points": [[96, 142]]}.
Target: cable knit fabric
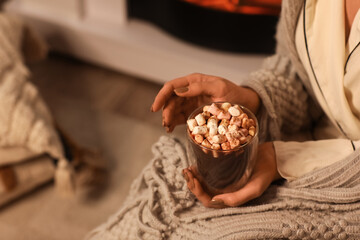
{"points": [[283, 96], [25, 120], [288, 101], [324, 204]]}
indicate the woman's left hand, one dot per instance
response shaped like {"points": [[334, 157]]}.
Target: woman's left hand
{"points": [[264, 173]]}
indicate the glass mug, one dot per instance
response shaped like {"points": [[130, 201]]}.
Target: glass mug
{"points": [[223, 171]]}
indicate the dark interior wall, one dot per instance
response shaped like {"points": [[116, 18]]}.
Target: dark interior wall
{"points": [[208, 27]]}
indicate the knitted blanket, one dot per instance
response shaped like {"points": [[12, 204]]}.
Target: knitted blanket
{"points": [[324, 204], [26, 123], [25, 120]]}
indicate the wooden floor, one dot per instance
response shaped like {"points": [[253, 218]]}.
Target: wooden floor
{"points": [[101, 109], [62, 78]]}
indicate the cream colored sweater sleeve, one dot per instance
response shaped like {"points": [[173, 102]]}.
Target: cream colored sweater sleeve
{"points": [[295, 159]]}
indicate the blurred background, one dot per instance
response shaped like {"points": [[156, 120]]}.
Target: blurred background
{"points": [[107, 61]]}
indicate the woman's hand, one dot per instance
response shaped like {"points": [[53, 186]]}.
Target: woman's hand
{"points": [[264, 173], [179, 97]]}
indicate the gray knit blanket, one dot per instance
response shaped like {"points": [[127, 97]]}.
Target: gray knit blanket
{"points": [[324, 204]]}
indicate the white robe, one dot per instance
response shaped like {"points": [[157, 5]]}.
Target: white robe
{"points": [[320, 42]]}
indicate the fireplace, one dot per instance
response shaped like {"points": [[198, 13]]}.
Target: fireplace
{"points": [[158, 39], [244, 26]]}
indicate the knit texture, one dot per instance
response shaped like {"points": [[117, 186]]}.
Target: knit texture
{"points": [[324, 204], [25, 120]]}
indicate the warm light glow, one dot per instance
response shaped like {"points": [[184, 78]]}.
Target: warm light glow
{"points": [[264, 7]]}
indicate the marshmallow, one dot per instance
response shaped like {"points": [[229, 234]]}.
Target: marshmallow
{"points": [[205, 150], [213, 130], [222, 129], [191, 124], [235, 121], [243, 140], [225, 122], [206, 115], [234, 143], [198, 138], [206, 134], [215, 153], [232, 135], [224, 115], [212, 121], [200, 119], [199, 130], [225, 146], [238, 107], [243, 115], [234, 111], [219, 138], [225, 106], [251, 122], [244, 132], [206, 143], [252, 131], [236, 134], [215, 146], [232, 128], [245, 123], [214, 110], [206, 108]]}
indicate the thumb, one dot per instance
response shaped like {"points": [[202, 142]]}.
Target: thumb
{"points": [[229, 199], [241, 196]]}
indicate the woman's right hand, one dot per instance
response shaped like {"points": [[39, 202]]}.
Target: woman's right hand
{"points": [[264, 173], [179, 97]]}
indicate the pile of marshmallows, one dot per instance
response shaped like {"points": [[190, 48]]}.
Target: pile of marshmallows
{"points": [[222, 126]]}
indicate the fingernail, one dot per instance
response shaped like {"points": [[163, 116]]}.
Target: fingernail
{"points": [[181, 90], [185, 175], [216, 202], [151, 109], [167, 129]]}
